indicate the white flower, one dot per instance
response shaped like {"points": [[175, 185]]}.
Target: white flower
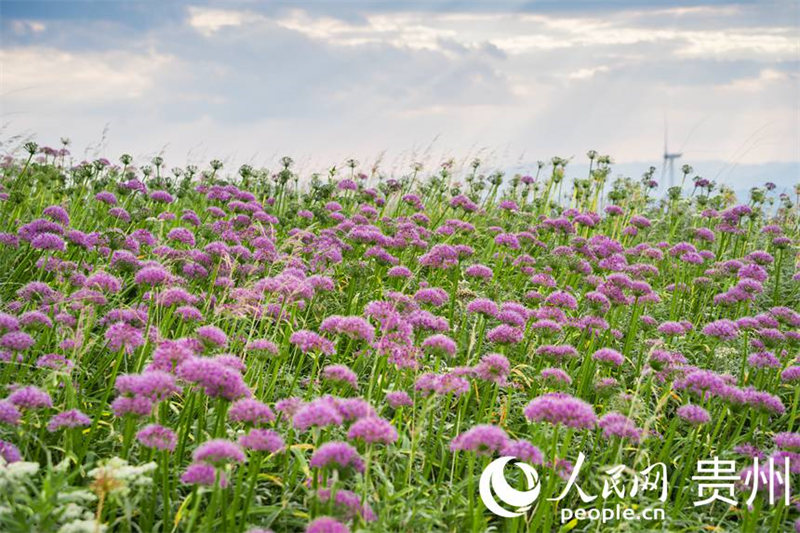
{"points": [[82, 526], [125, 474], [78, 495], [13, 473], [72, 511]]}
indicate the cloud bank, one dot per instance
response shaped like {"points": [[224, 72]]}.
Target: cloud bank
{"points": [[508, 82]]}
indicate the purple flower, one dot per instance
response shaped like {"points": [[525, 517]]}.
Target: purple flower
{"points": [[769, 479], [505, 334], [262, 440], [493, 367], [397, 399], [30, 398], [250, 411], [216, 379], [451, 384], [181, 235], [48, 241], [640, 222], [122, 336], [203, 474], [763, 360], [340, 373], [9, 453], [189, 313], [693, 414], [557, 352], [561, 409], [158, 437], [607, 355], [57, 213], [106, 197], [155, 385], [69, 419], [175, 295], [787, 441], [170, 354], [132, 405], [674, 329], [399, 272], [289, 406], [350, 503], [749, 450], [351, 408], [372, 429], [483, 439], [321, 412], [8, 322], [703, 383], [507, 239], [355, 327], [9, 414], [104, 281], [152, 276], [336, 455], [791, 374], [555, 376], [212, 336], [483, 306], [562, 299], [524, 451], [308, 341], [8, 239], [440, 344], [326, 524], [262, 345], [218, 452], [37, 291], [478, 271], [723, 329], [441, 256], [161, 196], [433, 295], [763, 401], [16, 341], [618, 425]]}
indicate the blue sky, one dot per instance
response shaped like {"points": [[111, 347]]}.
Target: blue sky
{"points": [[389, 81]]}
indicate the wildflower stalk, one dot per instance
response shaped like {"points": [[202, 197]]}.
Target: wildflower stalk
{"points": [[255, 467]]}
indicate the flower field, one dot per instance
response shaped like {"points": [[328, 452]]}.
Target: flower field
{"points": [[213, 349]]}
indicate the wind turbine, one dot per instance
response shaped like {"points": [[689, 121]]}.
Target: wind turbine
{"points": [[669, 159]]}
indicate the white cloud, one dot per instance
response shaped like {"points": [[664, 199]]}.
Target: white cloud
{"points": [[323, 88], [771, 43], [24, 27], [209, 21], [587, 73], [531, 33], [766, 78], [57, 78], [411, 31]]}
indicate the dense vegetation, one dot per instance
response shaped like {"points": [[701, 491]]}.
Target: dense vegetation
{"points": [[199, 351]]}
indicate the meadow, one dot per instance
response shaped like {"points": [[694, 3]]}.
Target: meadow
{"points": [[244, 350]]}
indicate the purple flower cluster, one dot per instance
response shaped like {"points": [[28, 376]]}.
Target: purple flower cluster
{"points": [[561, 409], [336, 455], [482, 439]]}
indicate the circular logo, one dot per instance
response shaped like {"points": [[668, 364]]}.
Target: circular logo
{"points": [[493, 479]]}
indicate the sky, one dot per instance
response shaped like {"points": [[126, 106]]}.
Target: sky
{"points": [[393, 82]]}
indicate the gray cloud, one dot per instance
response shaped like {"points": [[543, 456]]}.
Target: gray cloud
{"points": [[513, 86]]}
